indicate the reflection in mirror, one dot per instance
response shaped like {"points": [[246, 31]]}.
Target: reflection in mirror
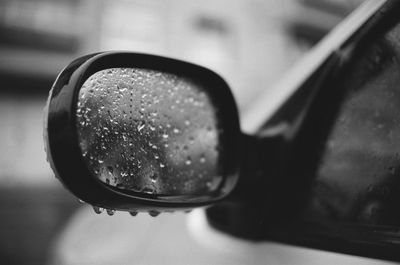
{"points": [[147, 131]]}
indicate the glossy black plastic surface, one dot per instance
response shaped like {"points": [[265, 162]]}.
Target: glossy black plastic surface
{"points": [[66, 155]]}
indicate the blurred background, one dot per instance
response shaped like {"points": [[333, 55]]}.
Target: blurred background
{"points": [[250, 43]]}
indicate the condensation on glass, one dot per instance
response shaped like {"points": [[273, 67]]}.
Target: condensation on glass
{"points": [[148, 131], [358, 178]]}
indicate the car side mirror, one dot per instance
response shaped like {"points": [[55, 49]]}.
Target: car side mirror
{"points": [[137, 132], [321, 168]]}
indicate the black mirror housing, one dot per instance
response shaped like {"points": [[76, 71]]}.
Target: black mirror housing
{"points": [[64, 147]]}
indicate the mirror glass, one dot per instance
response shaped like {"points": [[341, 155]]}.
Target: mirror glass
{"points": [[150, 132]]}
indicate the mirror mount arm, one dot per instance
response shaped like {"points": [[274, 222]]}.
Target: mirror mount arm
{"points": [[262, 160], [244, 211]]}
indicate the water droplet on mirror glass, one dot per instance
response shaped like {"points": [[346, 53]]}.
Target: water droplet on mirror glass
{"points": [[154, 178], [147, 190], [141, 126], [141, 130]]}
